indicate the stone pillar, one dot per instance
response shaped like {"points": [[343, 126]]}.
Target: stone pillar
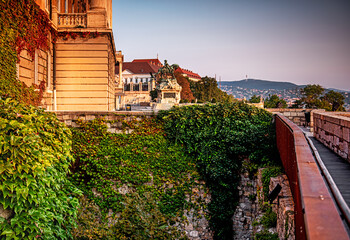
{"points": [[97, 15], [55, 13], [97, 4]]}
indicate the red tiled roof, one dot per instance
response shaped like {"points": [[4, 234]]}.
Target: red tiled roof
{"points": [[154, 61], [189, 73], [139, 68]]}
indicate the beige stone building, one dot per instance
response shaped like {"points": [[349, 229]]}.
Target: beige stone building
{"points": [[79, 68], [137, 79]]}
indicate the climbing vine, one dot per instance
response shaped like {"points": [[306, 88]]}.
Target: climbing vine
{"points": [[73, 35], [23, 26], [34, 160], [136, 185]]}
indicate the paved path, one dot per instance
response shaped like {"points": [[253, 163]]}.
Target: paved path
{"points": [[337, 167]]}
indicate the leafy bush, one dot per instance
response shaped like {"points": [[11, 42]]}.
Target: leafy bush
{"points": [[219, 137], [34, 159], [267, 174], [137, 182], [269, 219], [265, 235]]}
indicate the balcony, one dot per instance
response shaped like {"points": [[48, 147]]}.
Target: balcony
{"points": [[72, 20]]}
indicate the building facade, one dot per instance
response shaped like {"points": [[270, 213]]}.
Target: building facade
{"points": [[79, 67], [138, 79], [187, 73]]}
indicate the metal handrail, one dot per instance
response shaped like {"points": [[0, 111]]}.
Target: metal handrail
{"points": [[343, 206]]}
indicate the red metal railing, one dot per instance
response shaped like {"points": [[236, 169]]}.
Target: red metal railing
{"points": [[316, 216]]}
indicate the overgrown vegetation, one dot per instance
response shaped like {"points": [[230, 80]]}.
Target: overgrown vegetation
{"points": [[34, 160], [267, 174], [219, 137], [136, 184], [23, 26]]}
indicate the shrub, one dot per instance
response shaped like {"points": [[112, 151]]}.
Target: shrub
{"points": [[269, 219], [267, 174], [220, 136], [34, 159]]}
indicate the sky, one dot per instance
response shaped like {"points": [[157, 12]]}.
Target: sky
{"points": [[298, 41]]}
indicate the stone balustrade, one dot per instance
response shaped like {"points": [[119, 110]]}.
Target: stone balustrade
{"points": [[72, 20]]}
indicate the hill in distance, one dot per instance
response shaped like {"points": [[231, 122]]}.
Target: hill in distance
{"points": [[268, 85], [260, 84]]}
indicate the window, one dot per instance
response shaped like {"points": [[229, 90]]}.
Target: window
{"points": [[36, 67], [48, 70]]}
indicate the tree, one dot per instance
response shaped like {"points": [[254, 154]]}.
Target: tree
{"points": [[254, 99], [206, 90], [335, 100], [186, 93], [311, 96], [275, 102]]}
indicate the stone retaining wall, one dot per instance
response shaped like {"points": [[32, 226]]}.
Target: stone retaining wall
{"points": [[283, 206], [247, 210], [114, 119], [333, 130], [246, 219], [296, 115]]}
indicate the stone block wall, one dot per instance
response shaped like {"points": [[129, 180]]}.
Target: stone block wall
{"points": [[283, 206], [247, 210], [296, 115], [113, 119], [333, 130]]}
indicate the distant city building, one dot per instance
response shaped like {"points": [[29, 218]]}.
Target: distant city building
{"points": [[137, 78], [191, 75]]}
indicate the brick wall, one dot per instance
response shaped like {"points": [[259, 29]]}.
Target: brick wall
{"points": [[333, 130]]}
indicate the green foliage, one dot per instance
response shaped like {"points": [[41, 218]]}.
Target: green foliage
{"points": [[269, 219], [219, 136], [335, 101], [267, 174], [138, 182], [34, 159], [275, 102], [265, 235], [254, 99], [153, 94], [313, 97], [206, 90]]}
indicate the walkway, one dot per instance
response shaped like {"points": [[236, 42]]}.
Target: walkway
{"points": [[338, 168]]}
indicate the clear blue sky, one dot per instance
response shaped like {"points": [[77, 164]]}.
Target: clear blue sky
{"points": [[299, 41]]}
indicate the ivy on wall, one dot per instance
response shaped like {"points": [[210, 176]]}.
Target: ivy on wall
{"points": [[74, 35], [23, 26], [34, 160], [220, 136], [136, 185]]}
